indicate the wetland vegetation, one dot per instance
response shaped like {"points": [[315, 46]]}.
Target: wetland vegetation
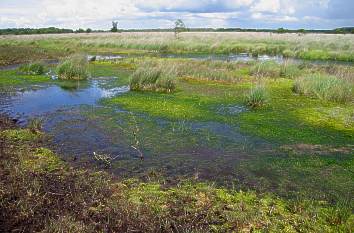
{"points": [[140, 141]]}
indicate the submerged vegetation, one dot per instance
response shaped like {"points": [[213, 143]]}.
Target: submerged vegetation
{"points": [[74, 67], [325, 87], [34, 178]]}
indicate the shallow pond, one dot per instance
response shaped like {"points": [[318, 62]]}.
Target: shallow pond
{"points": [[80, 124]]}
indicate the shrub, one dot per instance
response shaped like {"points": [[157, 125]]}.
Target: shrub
{"points": [[35, 68], [324, 87], [74, 67], [147, 78], [257, 97]]}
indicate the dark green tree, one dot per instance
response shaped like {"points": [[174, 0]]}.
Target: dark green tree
{"points": [[114, 26], [179, 27]]}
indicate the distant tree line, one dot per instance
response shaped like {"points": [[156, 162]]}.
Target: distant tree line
{"points": [[50, 30], [179, 27]]}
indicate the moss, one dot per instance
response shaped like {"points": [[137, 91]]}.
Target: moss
{"points": [[14, 78], [42, 160], [20, 135]]}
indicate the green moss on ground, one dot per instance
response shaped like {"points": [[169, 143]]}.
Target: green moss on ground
{"points": [[14, 78]]}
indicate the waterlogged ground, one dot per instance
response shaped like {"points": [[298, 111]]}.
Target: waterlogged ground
{"points": [[295, 146], [72, 113]]}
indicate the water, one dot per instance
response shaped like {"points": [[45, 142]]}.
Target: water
{"points": [[245, 57], [39, 100]]}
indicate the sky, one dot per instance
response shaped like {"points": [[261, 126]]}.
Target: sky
{"points": [[140, 14]]}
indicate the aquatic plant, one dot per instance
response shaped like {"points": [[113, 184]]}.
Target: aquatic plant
{"points": [[153, 78], [324, 87], [74, 67], [54, 197], [256, 97], [35, 68]]}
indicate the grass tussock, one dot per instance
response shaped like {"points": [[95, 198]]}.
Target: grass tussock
{"points": [[40, 193], [150, 77], [272, 69], [74, 67], [35, 68], [324, 87], [257, 97]]}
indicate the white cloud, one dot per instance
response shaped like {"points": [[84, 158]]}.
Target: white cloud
{"points": [[98, 14], [270, 6]]}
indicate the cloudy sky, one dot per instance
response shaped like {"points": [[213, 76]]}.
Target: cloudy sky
{"points": [[98, 14]]}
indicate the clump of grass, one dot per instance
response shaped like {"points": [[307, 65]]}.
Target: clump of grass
{"points": [[150, 78], [73, 68], [290, 71], [257, 97], [324, 87], [265, 69], [35, 68]]}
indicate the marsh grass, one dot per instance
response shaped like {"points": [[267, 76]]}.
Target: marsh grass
{"points": [[35, 68], [257, 97], [265, 69], [149, 77], [74, 67], [272, 69], [324, 87]]}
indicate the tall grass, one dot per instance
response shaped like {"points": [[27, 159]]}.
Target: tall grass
{"points": [[149, 77], [257, 97], [324, 87], [274, 70], [310, 46], [74, 67], [265, 69]]}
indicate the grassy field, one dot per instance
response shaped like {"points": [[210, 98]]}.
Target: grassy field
{"points": [[308, 46], [274, 153]]}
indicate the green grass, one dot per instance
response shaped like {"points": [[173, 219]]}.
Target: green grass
{"points": [[309, 47], [151, 78], [34, 68], [325, 87], [74, 67], [257, 97], [287, 118], [15, 78]]}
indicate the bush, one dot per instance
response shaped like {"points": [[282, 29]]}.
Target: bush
{"points": [[147, 78], [257, 97], [35, 68], [324, 87], [74, 68]]}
